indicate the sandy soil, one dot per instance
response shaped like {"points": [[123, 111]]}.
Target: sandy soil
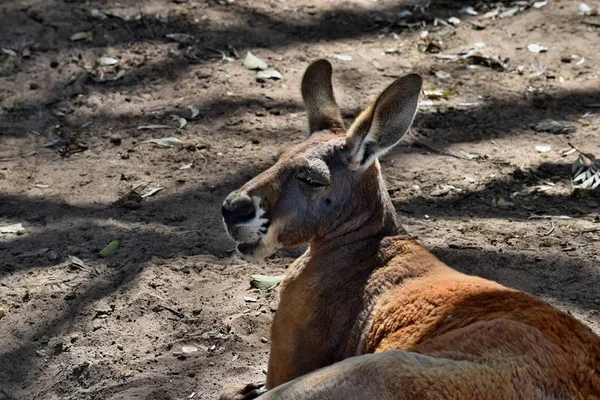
{"points": [[71, 154]]}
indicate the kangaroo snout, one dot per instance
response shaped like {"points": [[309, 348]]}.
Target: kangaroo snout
{"points": [[237, 209]]}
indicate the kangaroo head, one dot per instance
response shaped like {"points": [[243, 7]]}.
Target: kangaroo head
{"points": [[329, 185]]}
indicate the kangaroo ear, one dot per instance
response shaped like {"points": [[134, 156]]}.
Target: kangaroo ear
{"points": [[381, 125], [317, 92]]}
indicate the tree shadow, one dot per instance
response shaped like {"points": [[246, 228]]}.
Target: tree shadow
{"points": [[255, 28], [542, 190]]}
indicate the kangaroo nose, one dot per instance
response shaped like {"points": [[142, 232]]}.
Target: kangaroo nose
{"points": [[238, 208]]}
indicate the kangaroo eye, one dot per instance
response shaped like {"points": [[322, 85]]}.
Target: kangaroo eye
{"points": [[310, 181]]}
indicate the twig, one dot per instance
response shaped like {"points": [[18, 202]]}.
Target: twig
{"points": [[205, 161], [549, 217], [590, 230], [450, 154], [175, 312], [144, 21], [552, 227], [33, 153]]}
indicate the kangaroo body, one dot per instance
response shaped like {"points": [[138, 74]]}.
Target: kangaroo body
{"points": [[367, 312], [456, 334]]}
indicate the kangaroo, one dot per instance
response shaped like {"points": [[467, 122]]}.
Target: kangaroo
{"points": [[367, 312]]}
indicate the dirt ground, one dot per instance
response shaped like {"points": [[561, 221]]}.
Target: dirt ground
{"points": [[165, 317]]}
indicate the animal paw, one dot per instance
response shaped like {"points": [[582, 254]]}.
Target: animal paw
{"points": [[243, 392]]}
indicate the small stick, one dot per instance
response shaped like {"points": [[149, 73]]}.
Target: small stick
{"points": [[552, 227], [549, 217], [450, 154], [175, 312], [145, 22]]}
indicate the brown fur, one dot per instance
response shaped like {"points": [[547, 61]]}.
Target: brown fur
{"points": [[367, 312]]}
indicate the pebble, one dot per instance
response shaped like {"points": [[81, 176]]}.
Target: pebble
{"points": [[53, 255]]}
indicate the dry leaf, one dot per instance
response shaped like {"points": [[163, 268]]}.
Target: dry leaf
{"points": [[152, 127], [166, 142], [253, 62], [152, 192], [342, 57], [269, 74], [182, 121], [87, 35], [536, 48], [14, 228]]}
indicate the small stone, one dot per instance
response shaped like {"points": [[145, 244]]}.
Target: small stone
{"points": [[211, 364], [597, 301], [439, 192], [70, 296], [248, 299], [74, 337], [189, 349], [264, 340], [115, 139], [53, 255]]}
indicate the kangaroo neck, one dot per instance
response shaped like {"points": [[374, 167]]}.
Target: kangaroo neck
{"points": [[370, 214]]}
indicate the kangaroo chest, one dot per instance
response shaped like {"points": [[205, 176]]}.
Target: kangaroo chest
{"points": [[314, 323]]}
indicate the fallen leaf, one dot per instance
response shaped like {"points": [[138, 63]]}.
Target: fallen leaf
{"points": [[151, 127], [97, 14], [584, 9], [14, 228], [182, 121], [9, 52], [194, 111], [253, 62], [468, 10], [439, 192], [436, 94], [87, 35], [119, 75], [342, 57], [110, 249], [555, 127], [442, 75], [76, 261], [166, 142], [151, 192], [108, 61], [269, 74], [511, 12], [478, 58], [536, 48], [265, 282], [180, 37], [589, 176], [189, 349], [491, 14], [186, 166], [378, 66], [53, 143], [454, 21]]}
